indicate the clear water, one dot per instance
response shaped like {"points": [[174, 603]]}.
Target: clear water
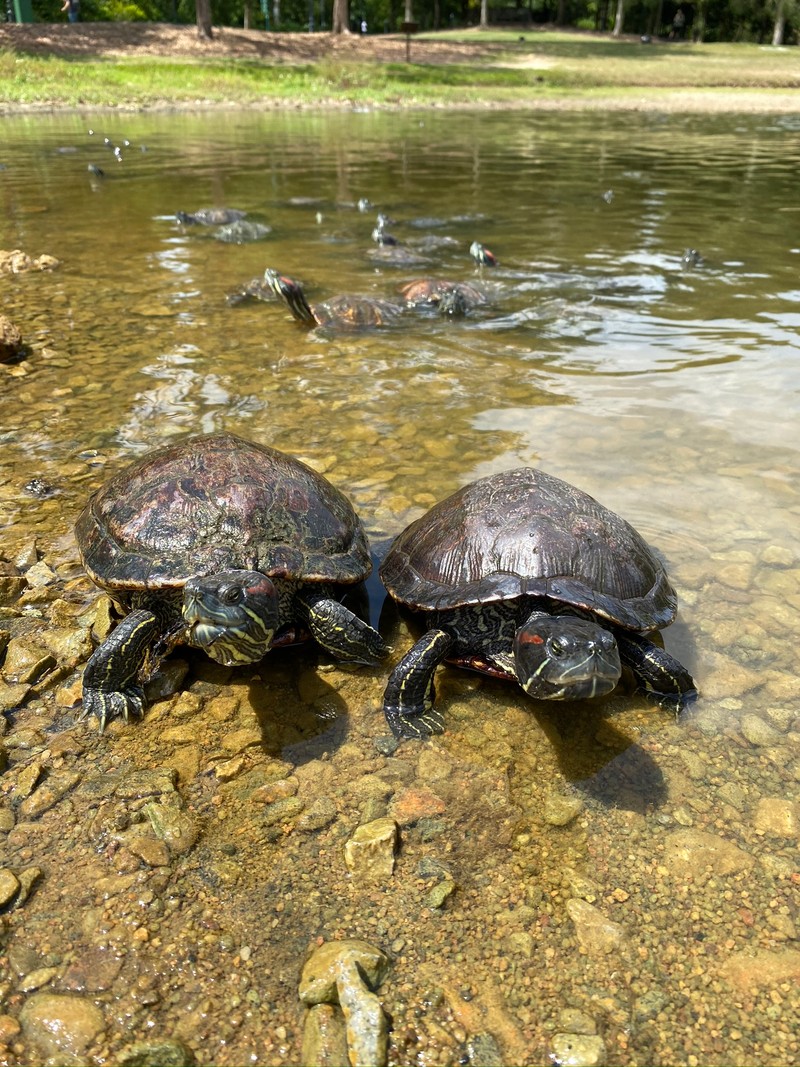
{"points": [[668, 391]]}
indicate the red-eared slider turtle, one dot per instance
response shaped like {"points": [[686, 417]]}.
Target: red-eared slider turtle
{"points": [[223, 544], [447, 297], [210, 216], [525, 577], [482, 256], [348, 312]]}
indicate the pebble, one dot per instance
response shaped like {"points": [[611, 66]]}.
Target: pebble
{"points": [[577, 1050], [324, 1037], [9, 886], [484, 1051], [596, 934], [414, 803], [336, 973], [688, 852], [369, 853], [165, 1053], [560, 809], [748, 971], [758, 732], [777, 816], [61, 1026]]}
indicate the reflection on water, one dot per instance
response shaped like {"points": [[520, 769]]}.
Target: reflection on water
{"points": [[668, 389]]}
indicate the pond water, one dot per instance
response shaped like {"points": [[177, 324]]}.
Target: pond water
{"points": [[636, 876]]}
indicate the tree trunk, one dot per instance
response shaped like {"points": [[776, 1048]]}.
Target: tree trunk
{"points": [[276, 13], [484, 14], [561, 17], [780, 25], [340, 17], [203, 9], [409, 13], [619, 18], [246, 15]]}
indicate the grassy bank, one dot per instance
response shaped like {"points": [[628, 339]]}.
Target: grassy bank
{"points": [[494, 69]]}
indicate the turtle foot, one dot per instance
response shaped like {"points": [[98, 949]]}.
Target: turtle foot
{"points": [[415, 727], [117, 704]]}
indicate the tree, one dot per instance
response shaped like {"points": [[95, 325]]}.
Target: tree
{"points": [[619, 18], [340, 17], [204, 30], [484, 14], [780, 23]]}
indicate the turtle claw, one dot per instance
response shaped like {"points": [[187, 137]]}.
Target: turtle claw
{"points": [[117, 704]]}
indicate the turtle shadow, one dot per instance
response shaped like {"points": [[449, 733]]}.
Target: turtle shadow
{"points": [[601, 761]]}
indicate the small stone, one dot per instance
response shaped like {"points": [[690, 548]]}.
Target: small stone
{"points": [[48, 794], [574, 1021], [440, 893], [596, 934], [758, 732], [37, 978], [170, 823], [689, 852], [777, 556], [230, 769], [370, 851], [578, 1050], [9, 886], [414, 803], [484, 1051], [561, 809], [276, 790], [324, 1037], [777, 816], [60, 1025], [282, 811], [320, 814], [165, 1053]]}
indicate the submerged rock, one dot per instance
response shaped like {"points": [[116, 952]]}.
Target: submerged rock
{"points": [[61, 1026]]}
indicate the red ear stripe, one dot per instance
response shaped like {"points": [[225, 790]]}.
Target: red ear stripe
{"points": [[266, 587], [532, 639]]}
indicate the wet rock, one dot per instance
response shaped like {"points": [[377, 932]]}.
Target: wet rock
{"points": [[414, 803], [165, 1053], [9, 886], [11, 588], [146, 783], [689, 852], [369, 853], [596, 934], [94, 971], [573, 1021], [172, 824], [777, 816], [48, 794], [11, 346], [26, 661], [758, 732], [37, 978], [320, 814], [28, 877], [440, 894], [60, 1025], [728, 678], [324, 1037], [560, 809], [282, 811], [580, 1050], [18, 262], [336, 973], [484, 1051], [748, 971]]}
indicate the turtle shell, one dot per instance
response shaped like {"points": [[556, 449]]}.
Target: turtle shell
{"points": [[218, 502], [526, 533], [355, 311]]}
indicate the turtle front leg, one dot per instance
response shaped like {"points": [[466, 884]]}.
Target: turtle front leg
{"points": [[659, 676], [340, 631], [110, 678], [408, 698]]}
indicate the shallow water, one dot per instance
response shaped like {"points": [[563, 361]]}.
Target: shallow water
{"points": [[668, 391]]}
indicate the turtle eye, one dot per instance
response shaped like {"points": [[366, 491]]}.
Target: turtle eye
{"points": [[232, 594], [555, 648]]}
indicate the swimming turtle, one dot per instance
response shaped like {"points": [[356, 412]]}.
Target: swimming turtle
{"points": [[210, 216], [350, 312], [255, 289], [448, 297], [522, 576], [242, 232], [482, 256], [227, 545]]}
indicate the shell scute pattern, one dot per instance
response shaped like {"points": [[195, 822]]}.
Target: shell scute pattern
{"points": [[526, 533], [217, 502]]}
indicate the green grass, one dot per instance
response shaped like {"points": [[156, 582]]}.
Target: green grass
{"points": [[544, 65]]}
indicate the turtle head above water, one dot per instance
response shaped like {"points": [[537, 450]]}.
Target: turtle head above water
{"points": [[231, 615], [565, 658]]}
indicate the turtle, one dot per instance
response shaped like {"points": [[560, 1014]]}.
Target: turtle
{"points": [[242, 232], [350, 312], [448, 297], [482, 256], [525, 577], [210, 216], [226, 545], [254, 289]]}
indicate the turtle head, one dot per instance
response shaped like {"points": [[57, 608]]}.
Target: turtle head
{"points": [[232, 615], [291, 292], [560, 657], [452, 302]]}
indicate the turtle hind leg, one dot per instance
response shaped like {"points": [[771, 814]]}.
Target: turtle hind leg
{"points": [[341, 632], [658, 675], [111, 686], [408, 698]]}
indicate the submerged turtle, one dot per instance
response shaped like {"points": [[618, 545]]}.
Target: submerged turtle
{"points": [[227, 545], [242, 232], [350, 312], [449, 298], [523, 576], [210, 216]]}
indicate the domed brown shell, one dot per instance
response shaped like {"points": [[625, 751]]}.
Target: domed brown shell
{"points": [[526, 533], [217, 502]]}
